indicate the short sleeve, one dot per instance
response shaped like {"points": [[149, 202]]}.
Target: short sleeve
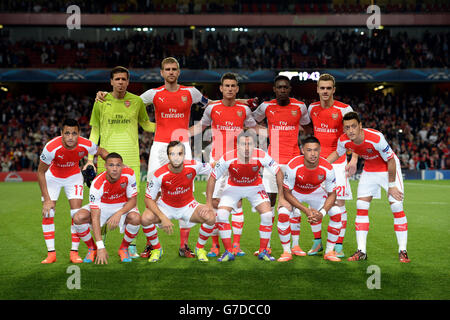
{"points": [[202, 168], [304, 120], [131, 186], [197, 97], [384, 149], [95, 196], [269, 163], [340, 148], [206, 118], [153, 187], [249, 120], [220, 168], [260, 113], [330, 182], [148, 96], [47, 156], [289, 178]]}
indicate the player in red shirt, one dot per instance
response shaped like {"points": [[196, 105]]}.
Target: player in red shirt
{"points": [[176, 182], [244, 181], [326, 116], [381, 170], [59, 168], [112, 202], [227, 118], [284, 116], [310, 178]]}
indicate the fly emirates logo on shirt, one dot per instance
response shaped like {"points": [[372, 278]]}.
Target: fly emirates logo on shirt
{"points": [[178, 191], [228, 126], [173, 114], [283, 126], [119, 119], [324, 128]]}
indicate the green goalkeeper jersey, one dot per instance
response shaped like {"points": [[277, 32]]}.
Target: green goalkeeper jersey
{"points": [[118, 121]]}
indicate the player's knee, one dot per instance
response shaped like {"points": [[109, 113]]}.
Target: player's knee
{"points": [[134, 218], [80, 217], [211, 218], [148, 217]]}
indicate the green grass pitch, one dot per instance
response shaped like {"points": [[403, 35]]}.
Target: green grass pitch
{"points": [[427, 206]]}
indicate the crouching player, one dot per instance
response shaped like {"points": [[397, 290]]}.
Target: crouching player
{"points": [[303, 180], [112, 201], [175, 180], [243, 165], [381, 170]]}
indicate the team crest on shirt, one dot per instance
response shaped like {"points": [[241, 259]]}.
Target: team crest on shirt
{"points": [[294, 113], [189, 176], [81, 154], [320, 176], [239, 113], [369, 150], [127, 103], [334, 115], [255, 168], [123, 185], [184, 99]]}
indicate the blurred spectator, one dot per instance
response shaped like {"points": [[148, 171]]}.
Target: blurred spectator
{"points": [[250, 50]]}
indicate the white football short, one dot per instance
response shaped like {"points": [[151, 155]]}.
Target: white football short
{"points": [[315, 199], [109, 209], [270, 180], [73, 186], [370, 183], [343, 189], [254, 194], [158, 157], [182, 214]]}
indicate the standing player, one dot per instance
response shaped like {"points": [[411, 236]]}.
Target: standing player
{"points": [[58, 169], [175, 180], [115, 123], [284, 116], [172, 103], [243, 165], [112, 202], [326, 116], [310, 178], [227, 119], [381, 169]]}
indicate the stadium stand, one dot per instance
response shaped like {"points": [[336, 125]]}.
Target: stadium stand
{"points": [[250, 50]]}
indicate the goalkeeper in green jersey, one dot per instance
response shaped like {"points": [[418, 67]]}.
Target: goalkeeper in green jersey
{"points": [[115, 123]]}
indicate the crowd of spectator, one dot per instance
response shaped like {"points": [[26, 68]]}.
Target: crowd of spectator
{"points": [[417, 126], [249, 50], [225, 6]]}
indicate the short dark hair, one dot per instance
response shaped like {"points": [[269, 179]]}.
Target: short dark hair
{"points": [[119, 69], [247, 133], [113, 155], [281, 77], [350, 116], [310, 139], [70, 123], [175, 143], [229, 76]]}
